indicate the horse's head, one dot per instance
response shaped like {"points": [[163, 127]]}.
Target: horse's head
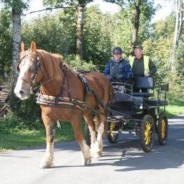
{"points": [[28, 71]]}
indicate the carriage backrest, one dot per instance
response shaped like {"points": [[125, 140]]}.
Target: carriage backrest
{"points": [[144, 82], [164, 87]]}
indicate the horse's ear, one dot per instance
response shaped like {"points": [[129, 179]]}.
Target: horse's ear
{"points": [[22, 47], [33, 46]]}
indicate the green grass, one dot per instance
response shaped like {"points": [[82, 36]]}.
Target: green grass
{"points": [[14, 138], [21, 138], [175, 107]]}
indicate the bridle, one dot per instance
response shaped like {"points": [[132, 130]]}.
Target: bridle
{"points": [[32, 81], [36, 68]]}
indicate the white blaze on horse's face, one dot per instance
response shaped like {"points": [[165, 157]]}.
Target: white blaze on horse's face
{"points": [[25, 79]]}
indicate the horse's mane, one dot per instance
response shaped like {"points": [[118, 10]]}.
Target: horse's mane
{"points": [[53, 63]]}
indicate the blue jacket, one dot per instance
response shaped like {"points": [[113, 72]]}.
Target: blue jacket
{"points": [[118, 70]]}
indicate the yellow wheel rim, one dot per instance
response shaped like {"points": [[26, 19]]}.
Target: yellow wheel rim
{"points": [[112, 128], [147, 133], [163, 127]]}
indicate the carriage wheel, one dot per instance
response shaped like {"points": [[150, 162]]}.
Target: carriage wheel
{"points": [[147, 133], [112, 131], [162, 128]]}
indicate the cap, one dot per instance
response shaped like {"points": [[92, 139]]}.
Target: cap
{"points": [[138, 47], [117, 50]]}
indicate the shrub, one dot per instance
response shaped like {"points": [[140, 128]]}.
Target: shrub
{"points": [[80, 65]]}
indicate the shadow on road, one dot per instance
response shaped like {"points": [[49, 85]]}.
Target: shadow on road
{"points": [[162, 157]]}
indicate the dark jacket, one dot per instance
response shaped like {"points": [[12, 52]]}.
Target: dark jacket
{"points": [[118, 70], [138, 67]]}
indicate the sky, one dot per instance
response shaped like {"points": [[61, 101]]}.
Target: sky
{"points": [[162, 13]]}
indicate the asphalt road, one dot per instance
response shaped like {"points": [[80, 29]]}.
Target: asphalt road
{"points": [[121, 163]]}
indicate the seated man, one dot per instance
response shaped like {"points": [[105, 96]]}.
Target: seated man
{"points": [[118, 69], [142, 66]]}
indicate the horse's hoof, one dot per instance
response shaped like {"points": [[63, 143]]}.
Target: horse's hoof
{"points": [[87, 162], [45, 165]]}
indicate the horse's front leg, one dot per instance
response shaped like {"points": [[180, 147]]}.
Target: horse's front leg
{"points": [[47, 160], [86, 158]]}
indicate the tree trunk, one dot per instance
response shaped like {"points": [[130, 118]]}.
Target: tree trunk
{"points": [[177, 34], [136, 21], [79, 31], [16, 37]]}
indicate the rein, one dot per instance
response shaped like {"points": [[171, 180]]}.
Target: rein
{"points": [[34, 90]]}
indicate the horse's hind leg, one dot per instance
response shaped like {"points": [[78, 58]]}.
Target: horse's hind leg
{"points": [[89, 119], [96, 128], [80, 139], [47, 160], [98, 146]]}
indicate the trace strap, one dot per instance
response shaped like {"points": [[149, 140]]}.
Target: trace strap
{"points": [[64, 102]]}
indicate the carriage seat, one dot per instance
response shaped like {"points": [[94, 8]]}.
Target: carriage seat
{"points": [[144, 83]]}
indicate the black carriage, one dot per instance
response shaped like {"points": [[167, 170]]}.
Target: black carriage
{"points": [[142, 112]]}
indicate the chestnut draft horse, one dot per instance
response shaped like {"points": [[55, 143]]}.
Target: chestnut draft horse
{"points": [[63, 96]]}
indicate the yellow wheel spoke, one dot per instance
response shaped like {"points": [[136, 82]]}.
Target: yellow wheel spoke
{"points": [[112, 128], [163, 127], [147, 133]]}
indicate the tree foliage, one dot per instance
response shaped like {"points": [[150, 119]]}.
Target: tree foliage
{"points": [[97, 43], [54, 33], [17, 5], [101, 32], [5, 43]]}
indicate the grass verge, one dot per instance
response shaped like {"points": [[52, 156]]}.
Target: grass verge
{"points": [[14, 138], [175, 107]]}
